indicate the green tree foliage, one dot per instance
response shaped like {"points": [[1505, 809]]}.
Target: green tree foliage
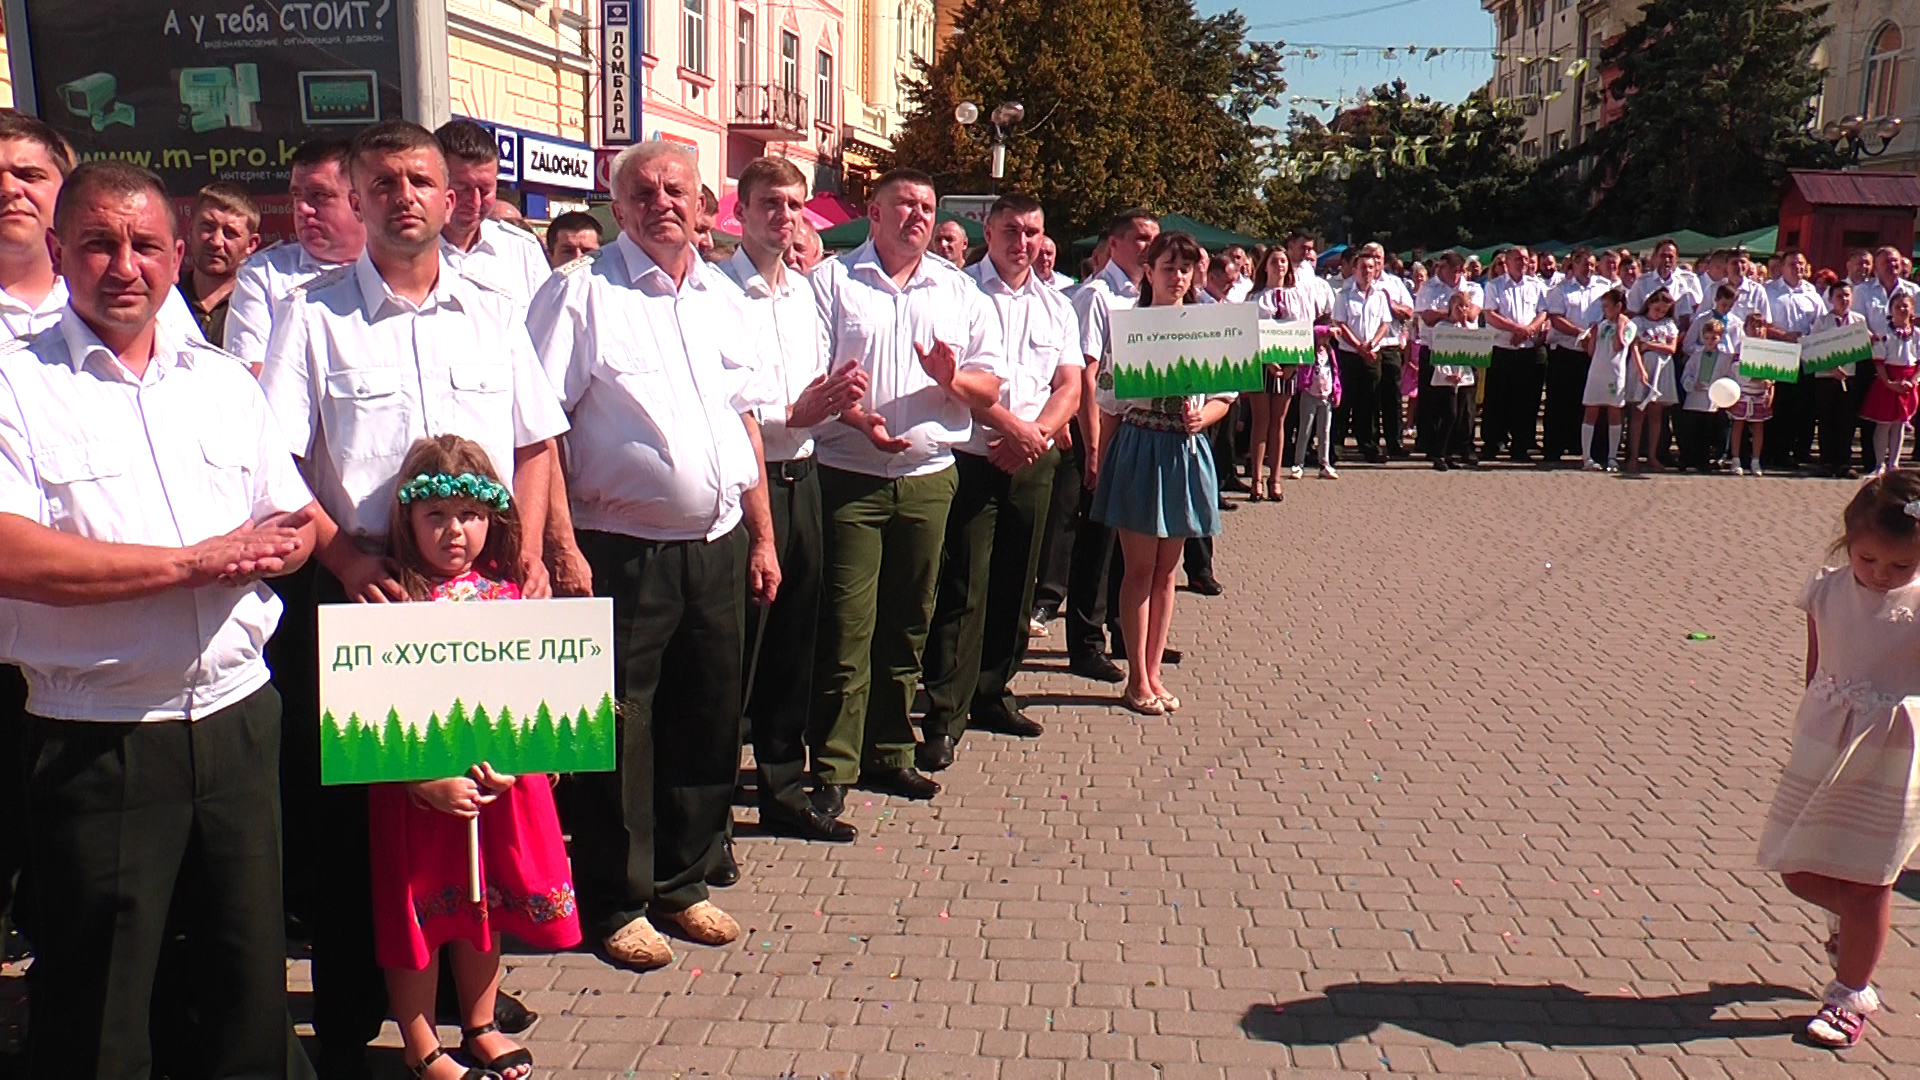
{"points": [[354, 754], [1717, 105], [1411, 172], [1128, 102]]}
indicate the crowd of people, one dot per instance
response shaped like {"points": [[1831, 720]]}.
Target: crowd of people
{"points": [[812, 487]]}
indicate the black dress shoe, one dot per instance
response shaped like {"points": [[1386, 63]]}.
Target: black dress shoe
{"points": [[1007, 723], [726, 872], [1206, 585], [934, 754], [1095, 667], [830, 799], [809, 825], [902, 782]]}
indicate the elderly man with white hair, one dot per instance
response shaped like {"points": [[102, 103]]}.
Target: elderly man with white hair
{"points": [[657, 359]]}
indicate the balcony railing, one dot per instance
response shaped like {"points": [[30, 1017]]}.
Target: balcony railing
{"points": [[770, 112]]}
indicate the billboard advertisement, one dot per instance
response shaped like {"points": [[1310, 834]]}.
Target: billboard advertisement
{"points": [[203, 90]]}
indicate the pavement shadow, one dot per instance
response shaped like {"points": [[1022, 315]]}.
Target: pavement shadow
{"points": [[1549, 1015], [1908, 885]]}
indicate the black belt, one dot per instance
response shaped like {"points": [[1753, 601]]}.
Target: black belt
{"points": [[792, 471]]}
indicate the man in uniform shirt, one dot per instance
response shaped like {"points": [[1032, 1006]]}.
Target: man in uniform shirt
{"points": [[1431, 306], [1872, 298], [136, 534], [1516, 304], [1045, 261], [1665, 272], [1859, 268], [1006, 471], [364, 361], [930, 346], [510, 259], [1366, 327], [658, 361], [327, 234], [806, 251], [1090, 585], [772, 201], [1793, 304], [1572, 306], [573, 235], [950, 242], [222, 233]]}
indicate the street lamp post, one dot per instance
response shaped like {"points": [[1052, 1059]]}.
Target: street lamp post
{"points": [[1005, 115], [1848, 137]]}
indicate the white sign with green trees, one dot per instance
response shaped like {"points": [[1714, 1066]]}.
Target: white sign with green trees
{"points": [[426, 691], [1463, 346], [1190, 349]]}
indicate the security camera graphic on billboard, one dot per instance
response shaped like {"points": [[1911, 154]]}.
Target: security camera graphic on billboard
{"points": [[95, 98], [212, 98]]}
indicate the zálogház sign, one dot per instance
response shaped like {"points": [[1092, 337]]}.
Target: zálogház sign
{"points": [[556, 164]]}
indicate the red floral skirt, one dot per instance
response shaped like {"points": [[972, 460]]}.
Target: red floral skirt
{"points": [[420, 886]]}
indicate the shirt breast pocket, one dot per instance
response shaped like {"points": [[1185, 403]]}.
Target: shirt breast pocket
{"points": [[482, 400], [231, 461], [368, 414], [80, 482]]}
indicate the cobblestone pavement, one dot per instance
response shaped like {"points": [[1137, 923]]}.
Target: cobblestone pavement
{"points": [[1451, 794]]}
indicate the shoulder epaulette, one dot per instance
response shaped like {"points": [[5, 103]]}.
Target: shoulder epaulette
{"points": [[17, 344], [485, 283], [576, 265], [325, 279]]}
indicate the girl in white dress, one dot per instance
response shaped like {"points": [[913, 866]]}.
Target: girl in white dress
{"points": [[1608, 343], [1650, 383], [1846, 816]]}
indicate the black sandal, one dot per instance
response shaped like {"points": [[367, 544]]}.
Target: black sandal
{"points": [[439, 1052], [498, 1067]]}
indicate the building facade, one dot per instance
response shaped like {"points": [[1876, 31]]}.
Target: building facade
{"points": [[888, 43], [1546, 63], [1869, 58], [525, 70]]}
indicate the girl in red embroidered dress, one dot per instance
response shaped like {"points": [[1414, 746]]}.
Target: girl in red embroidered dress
{"points": [[455, 537]]}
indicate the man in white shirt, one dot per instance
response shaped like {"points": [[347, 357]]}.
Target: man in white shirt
{"points": [[151, 732], [1794, 304], [1665, 272], [1430, 307], [1367, 317], [978, 636], [1392, 356], [1859, 268], [364, 361], [508, 258], [1572, 306], [1090, 586], [573, 235], [772, 201], [950, 242], [658, 362], [1871, 299], [1547, 268], [1044, 264], [1233, 259], [1516, 304], [930, 346], [327, 235], [1750, 306]]}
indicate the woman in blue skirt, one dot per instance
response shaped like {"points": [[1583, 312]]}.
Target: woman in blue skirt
{"points": [[1157, 486]]}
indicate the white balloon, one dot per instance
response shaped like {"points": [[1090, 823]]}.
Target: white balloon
{"points": [[1723, 393]]}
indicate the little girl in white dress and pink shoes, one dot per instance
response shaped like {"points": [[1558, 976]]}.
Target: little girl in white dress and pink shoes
{"points": [[1846, 817]]}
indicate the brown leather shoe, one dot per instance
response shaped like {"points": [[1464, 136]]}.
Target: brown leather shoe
{"points": [[704, 923], [638, 945]]}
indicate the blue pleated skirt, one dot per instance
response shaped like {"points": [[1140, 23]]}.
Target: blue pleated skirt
{"points": [[1160, 483]]}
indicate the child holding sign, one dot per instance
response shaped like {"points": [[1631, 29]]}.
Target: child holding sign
{"points": [[456, 537], [1451, 403], [1895, 392], [1833, 391], [1711, 357]]}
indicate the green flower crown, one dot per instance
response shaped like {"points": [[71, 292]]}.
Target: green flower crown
{"points": [[481, 489]]}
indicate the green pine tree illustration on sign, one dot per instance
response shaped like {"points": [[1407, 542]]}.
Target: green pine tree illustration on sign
{"points": [[389, 750], [1186, 376]]}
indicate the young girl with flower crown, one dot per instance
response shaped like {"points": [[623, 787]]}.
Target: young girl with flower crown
{"points": [[1846, 816], [456, 537]]}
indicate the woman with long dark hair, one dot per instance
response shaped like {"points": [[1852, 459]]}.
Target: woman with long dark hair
{"points": [[1157, 486], [1279, 298]]}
